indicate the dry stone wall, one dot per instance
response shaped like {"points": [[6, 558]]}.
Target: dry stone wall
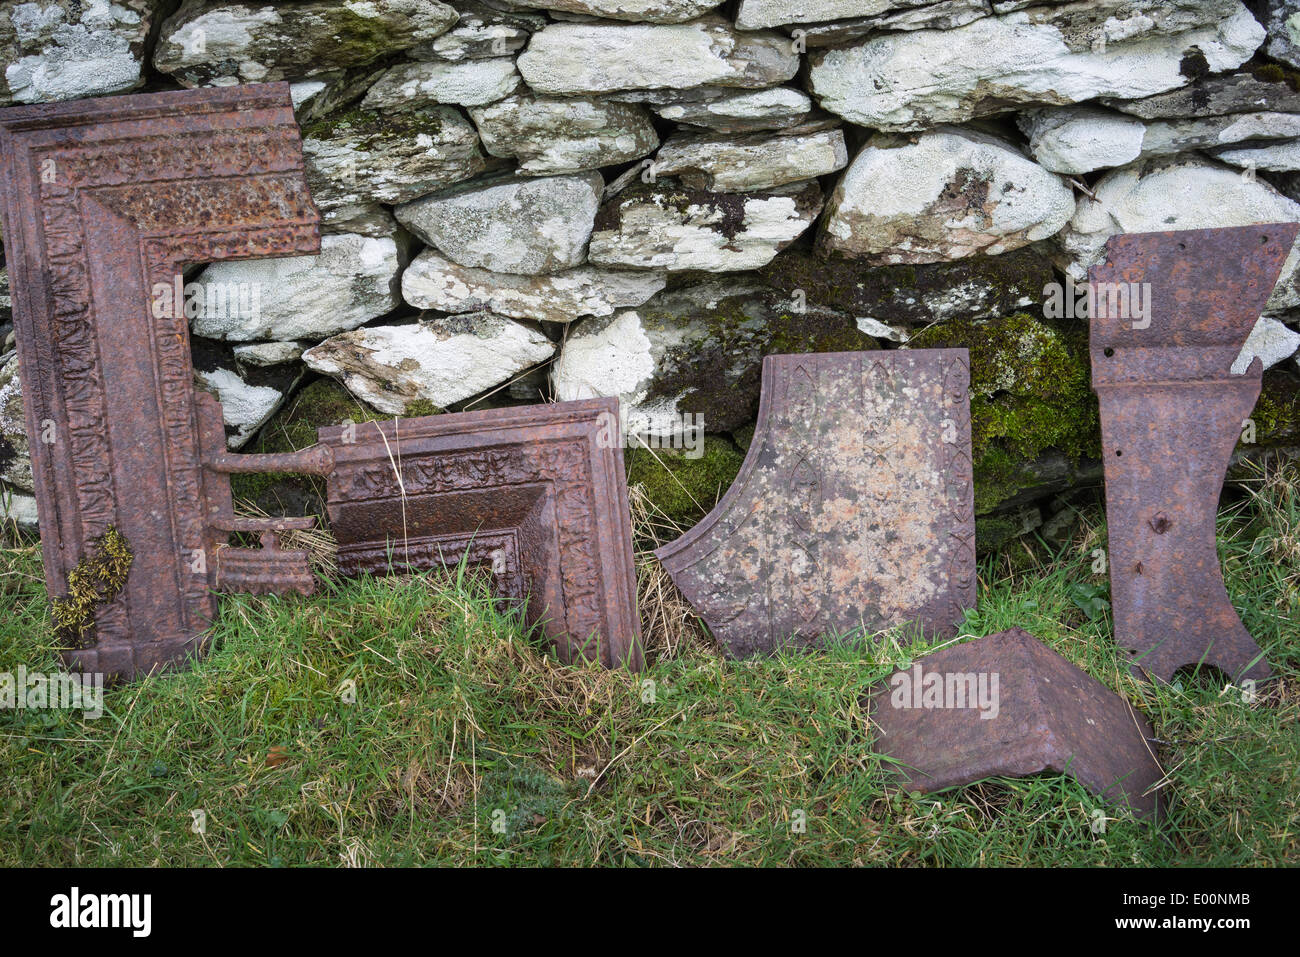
{"points": [[526, 201]]}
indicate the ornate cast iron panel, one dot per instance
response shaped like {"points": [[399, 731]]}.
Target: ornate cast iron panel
{"points": [[948, 722], [103, 201], [1171, 414], [535, 494], [853, 509]]}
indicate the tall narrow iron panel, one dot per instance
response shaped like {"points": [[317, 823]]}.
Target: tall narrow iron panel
{"points": [[1171, 414]]}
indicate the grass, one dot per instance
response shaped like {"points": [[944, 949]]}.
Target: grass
{"points": [[414, 721]]}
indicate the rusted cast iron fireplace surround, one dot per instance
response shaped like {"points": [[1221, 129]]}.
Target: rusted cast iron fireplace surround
{"points": [[104, 200], [536, 495]]}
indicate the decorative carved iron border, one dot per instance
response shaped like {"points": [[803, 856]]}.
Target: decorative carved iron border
{"points": [[103, 200], [537, 494]]}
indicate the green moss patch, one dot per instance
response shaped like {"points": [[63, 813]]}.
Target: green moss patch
{"points": [[95, 580], [906, 294], [1277, 413], [685, 489], [292, 429], [717, 369], [366, 128], [1030, 393]]}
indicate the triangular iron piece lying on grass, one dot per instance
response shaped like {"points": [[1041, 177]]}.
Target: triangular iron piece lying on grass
{"points": [[1007, 705], [105, 201], [1171, 414], [854, 507], [535, 494]]}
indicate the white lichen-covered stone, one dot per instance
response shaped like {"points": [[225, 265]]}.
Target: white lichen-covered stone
{"points": [[250, 393], [68, 49], [245, 406], [1280, 156], [19, 509], [644, 11], [440, 359], [565, 135], [1183, 192], [361, 158], [1166, 137], [434, 282], [659, 227], [223, 44], [1080, 139], [1270, 341], [513, 224], [1282, 18], [353, 280], [756, 14], [465, 83], [758, 161], [481, 31], [942, 195], [944, 15], [263, 354], [614, 357], [1043, 55], [880, 330], [15, 452], [584, 58], [770, 109]]}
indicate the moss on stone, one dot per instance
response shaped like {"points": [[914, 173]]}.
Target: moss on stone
{"points": [[1030, 392], [994, 531], [902, 294], [367, 128], [683, 488], [356, 40], [293, 428], [1267, 71], [1277, 413], [95, 580], [718, 369], [420, 407]]}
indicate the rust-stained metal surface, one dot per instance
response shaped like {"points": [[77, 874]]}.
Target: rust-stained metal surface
{"points": [[1171, 414], [536, 494], [258, 571], [1007, 705], [104, 201], [854, 507]]}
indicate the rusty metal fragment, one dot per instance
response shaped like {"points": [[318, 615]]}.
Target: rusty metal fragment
{"points": [[536, 495], [104, 202], [1007, 705], [854, 508], [1171, 414]]}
